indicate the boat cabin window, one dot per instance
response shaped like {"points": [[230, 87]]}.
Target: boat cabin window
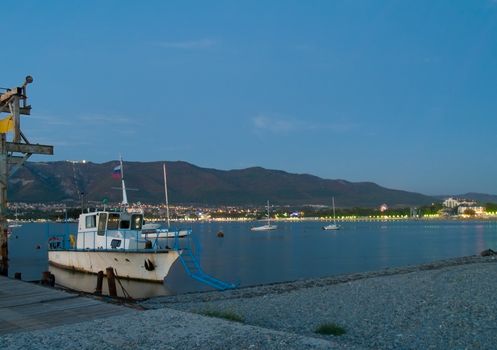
{"points": [[124, 224], [91, 221], [102, 221], [113, 223], [136, 222]]}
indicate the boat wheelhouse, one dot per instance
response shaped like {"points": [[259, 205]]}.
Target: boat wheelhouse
{"points": [[110, 230]]}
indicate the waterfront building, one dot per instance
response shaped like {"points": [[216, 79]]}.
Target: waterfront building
{"points": [[461, 210], [456, 202]]}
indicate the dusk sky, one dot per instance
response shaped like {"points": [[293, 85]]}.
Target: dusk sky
{"points": [[401, 93]]}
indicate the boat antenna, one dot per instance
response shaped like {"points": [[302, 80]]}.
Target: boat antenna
{"points": [[123, 185], [82, 194], [333, 203], [268, 214], [165, 191]]}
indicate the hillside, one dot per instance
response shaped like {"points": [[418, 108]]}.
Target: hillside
{"points": [[188, 184]]}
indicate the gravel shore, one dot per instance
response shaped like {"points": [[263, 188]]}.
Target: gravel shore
{"points": [[449, 304]]}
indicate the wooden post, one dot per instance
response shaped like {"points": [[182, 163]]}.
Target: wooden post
{"points": [[51, 280], [4, 249], [10, 101], [45, 278], [4, 252], [100, 280], [111, 280]]}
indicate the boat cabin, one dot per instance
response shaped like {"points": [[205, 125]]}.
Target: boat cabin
{"points": [[110, 230]]}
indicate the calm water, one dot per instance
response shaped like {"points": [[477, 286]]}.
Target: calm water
{"points": [[295, 251]]}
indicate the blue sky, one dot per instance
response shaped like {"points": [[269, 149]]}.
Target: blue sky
{"points": [[401, 93]]}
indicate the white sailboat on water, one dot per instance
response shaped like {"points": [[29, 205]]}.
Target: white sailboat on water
{"points": [[334, 225], [15, 223], [268, 226], [155, 231]]}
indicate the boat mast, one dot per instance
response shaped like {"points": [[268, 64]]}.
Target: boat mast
{"points": [[268, 216], [165, 191], [125, 197], [333, 203]]}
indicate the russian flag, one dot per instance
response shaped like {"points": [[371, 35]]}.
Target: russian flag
{"points": [[116, 172]]}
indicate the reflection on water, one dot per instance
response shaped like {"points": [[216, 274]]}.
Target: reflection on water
{"points": [[87, 283], [28, 251], [297, 250]]}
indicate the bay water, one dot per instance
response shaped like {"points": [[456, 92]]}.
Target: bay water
{"points": [[295, 251]]}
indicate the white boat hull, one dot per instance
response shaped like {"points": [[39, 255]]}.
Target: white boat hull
{"points": [[331, 227], [145, 266], [165, 239], [150, 235], [334, 226], [264, 228]]}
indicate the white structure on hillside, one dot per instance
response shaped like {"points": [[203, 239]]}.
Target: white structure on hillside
{"points": [[450, 203], [457, 202]]}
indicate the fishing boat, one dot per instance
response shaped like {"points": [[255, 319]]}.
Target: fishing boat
{"points": [[115, 239], [268, 226], [334, 225]]}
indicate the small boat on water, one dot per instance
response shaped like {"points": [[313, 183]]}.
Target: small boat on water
{"points": [[334, 225], [156, 231], [15, 223], [331, 227], [13, 226], [161, 234], [268, 226]]}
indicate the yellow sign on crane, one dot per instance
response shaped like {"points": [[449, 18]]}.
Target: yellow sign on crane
{"points": [[7, 124]]}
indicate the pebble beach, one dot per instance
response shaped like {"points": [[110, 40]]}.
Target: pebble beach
{"points": [[448, 304]]}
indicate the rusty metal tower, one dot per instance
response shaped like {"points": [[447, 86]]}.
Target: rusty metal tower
{"points": [[13, 153]]}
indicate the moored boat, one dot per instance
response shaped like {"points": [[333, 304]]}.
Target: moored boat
{"points": [[162, 237], [334, 226], [268, 226], [264, 228], [115, 239]]}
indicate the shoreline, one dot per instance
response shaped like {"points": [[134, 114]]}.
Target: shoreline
{"points": [[440, 305], [288, 286], [444, 304], [296, 220]]}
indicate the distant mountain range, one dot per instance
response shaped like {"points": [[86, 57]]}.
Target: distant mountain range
{"points": [[64, 181]]}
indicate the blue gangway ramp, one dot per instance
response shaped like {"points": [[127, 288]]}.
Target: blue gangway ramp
{"points": [[194, 270], [192, 265]]}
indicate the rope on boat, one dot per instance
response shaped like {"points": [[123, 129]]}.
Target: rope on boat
{"points": [[125, 292]]}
